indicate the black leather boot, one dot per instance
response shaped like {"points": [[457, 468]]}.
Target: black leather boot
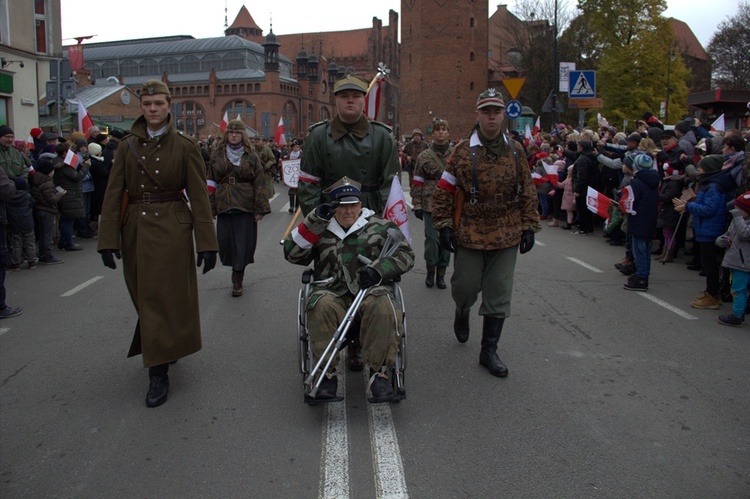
{"points": [[237, 279], [461, 325], [158, 387], [441, 278], [379, 389], [291, 203], [430, 279], [491, 330]]}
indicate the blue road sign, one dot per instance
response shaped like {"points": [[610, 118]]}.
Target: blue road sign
{"points": [[582, 84], [513, 109]]}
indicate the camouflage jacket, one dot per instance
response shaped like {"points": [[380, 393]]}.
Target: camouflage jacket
{"points": [[427, 173], [334, 250], [506, 201], [412, 150], [242, 187], [267, 159]]}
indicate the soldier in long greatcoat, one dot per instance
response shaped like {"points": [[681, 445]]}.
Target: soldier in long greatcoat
{"points": [[498, 218], [146, 218]]}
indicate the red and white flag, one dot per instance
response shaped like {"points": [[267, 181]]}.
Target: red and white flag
{"points": [[552, 174], [395, 208], [598, 203], [280, 136], [527, 135], [718, 124], [537, 178], [211, 186], [30, 142], [372, 99], [627, 198], [224, 122], [537, 127], [71, 159], [84, 120]]}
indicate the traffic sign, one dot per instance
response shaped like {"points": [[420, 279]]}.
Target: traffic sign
{"points": [[513, 109], [582, 84], [586, 103], [513, 85]]}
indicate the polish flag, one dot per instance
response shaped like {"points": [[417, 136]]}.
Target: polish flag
{"points": [[527, 135], [537, 127], [718, 125], [30, 142], [537, 178], [211, 186], [71, 159], [627, 198], [372, 99], [224, 122], [280, 138], [84, 120], [552, 175], [598, 202], [395, 208]]}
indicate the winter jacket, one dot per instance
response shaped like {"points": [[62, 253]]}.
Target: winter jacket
{"points": [[709, 210], [70, 179], [687, 143], [736, 240], [44, 193], [645, 200], [20, 211], [671, 187], [586, 174]]}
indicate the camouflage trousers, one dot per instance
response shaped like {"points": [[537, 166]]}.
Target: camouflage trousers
{"points": [[380, 319], [488, 271]]}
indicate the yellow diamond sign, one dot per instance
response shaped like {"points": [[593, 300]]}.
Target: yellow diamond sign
{"points": [[514, 85]]}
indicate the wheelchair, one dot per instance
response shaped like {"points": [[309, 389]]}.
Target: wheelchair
{"points": [[308, 362]]}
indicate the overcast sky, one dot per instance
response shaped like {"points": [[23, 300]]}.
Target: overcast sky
{"points": [[149, 18]]}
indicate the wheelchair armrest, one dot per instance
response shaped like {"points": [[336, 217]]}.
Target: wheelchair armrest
{"points": [[307, 276]]}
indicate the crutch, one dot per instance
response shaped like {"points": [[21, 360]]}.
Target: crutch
{"points": [[668, 244]]}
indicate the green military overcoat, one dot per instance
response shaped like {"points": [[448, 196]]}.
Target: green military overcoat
{"points": [[156, 240]]}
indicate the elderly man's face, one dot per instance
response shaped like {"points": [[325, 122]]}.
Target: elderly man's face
{"points": [[347, 214], [668, 141], [7, 140]]}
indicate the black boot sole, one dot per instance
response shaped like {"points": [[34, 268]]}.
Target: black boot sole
{"points": [[498, 374]]}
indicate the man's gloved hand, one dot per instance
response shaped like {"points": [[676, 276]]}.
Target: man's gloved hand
{"points": [[208, 259], [368, 277], [325, 211], [419, 214], [527, 241], [447, 239], [108, 257]]}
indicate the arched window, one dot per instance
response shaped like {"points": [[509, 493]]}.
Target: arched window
{"points": [[471, 56], [190, 64], [324, 114], [242, 108], [471, 86], [129, 68], [211, 61], [109, 68], [291, 118], [234, 60], [149, 67], [189, 117], [170, 65]]}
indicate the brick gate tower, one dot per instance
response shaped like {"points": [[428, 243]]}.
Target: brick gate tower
{"points": [[443, 63]]}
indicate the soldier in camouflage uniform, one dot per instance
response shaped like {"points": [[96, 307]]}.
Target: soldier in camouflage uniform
{"points": [[412, 150], [497, 216], [429, 169], [332, 236], [268, 162], [350, 145]]}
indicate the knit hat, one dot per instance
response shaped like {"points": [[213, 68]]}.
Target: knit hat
{"points": [[19, 144], [36, 132], [47, 136], [635, 137], [668, 133], [711, 163], [743, 202], [117, 134], [95, 149], [682, 127], [45, 165], [80, 143], [643, 162], [6, 130]]}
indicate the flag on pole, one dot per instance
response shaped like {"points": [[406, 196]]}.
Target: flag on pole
{"points": [[537, 178], [280, 137], [627, 198], [598, 203], [84, 120], [372, 99], [537, 126], [527, 135], [395, 208], [718, 125], [224, 122], [71, 159]]}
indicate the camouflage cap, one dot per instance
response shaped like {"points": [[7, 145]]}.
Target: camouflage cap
{"points": [[345, 191], [236, 125], [490, 97], [351, 82], [153, 87], [416, 131]]}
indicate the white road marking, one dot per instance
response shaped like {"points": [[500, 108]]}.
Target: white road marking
{"points": [[585, 265], [274, 197], [82, 286], [669, 307], [4, 330], [386, 455], [539, 243], [335, 459]]}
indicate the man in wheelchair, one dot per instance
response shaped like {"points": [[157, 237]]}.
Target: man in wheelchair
{"points": [[338, 237]]}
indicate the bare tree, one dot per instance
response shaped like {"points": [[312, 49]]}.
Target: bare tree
{"points": [[729, 49]]}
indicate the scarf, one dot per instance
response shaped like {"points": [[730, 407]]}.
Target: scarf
{"points": [[496, 146], [441, 149], [235, 152]]}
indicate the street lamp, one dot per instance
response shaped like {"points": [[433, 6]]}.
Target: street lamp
{"points": [[669, 72]]}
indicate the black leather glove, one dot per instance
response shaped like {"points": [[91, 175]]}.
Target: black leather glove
{"points": [[325, 211], [108, 257], [447, 239], [208, 259], [368, 277], [527, 241], [419, 214]]}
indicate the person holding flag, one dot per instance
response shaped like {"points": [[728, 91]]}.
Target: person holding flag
{"points": [[585, 174], [484, 208]]}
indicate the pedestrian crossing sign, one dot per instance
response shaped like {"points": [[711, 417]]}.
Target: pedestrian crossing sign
{"points": [[582, 84]]}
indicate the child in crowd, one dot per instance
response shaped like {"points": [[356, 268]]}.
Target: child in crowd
{"points": [[736, 240], [642, 217], [45, 210], [21, 223]]}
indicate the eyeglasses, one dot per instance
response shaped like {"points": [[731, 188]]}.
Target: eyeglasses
{"points": [[234, 132]]}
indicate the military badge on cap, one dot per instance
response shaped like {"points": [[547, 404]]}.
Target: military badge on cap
{"points": [[345, 191], [153, 87], [351, 82], [490, 97]]}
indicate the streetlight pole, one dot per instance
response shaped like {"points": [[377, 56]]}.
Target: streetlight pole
{"points": [[669, 72], [556, 72]]}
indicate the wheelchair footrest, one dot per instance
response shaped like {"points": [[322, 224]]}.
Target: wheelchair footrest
{"points": [[313, 401]]}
